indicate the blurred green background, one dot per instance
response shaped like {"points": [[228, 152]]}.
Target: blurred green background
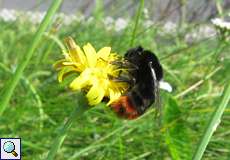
{"points": [[194, 54]]}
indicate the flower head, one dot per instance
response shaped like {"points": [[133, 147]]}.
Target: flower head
{"points": [[223, 28], [95, 72], [221, 23], [120, 24]]}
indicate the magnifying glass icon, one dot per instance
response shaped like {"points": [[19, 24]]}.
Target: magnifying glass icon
{"points": [[9, 147]]}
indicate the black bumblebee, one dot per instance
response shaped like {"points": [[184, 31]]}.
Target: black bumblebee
{"points": [[145, 74]]}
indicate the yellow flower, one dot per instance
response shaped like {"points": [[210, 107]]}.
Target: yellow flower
{"points": [[94, 70]]}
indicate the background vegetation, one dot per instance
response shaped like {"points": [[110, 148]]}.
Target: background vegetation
{"points": [[197, 67]]}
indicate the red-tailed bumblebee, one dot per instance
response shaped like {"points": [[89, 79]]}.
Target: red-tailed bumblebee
{"points": [[145, 74]]}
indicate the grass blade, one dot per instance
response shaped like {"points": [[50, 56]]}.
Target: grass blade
{"points": [[82, 106], [8, 90], [138, 16], [175, 132], [213, 123]]}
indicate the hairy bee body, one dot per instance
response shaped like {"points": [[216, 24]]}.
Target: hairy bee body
{"points": [[143, 91]]}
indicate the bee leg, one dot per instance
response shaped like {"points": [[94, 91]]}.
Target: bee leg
{"points": [[131, 81], [103, 60], [124, 64]]}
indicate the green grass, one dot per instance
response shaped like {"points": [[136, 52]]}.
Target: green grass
{"points": [[8, 90], [39, 105], [213, 124]]}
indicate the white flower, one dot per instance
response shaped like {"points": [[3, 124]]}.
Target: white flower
{"points": [[67, 19], [148, 23], [165, 86], [191, 37], [108, 22], [200, 33], [146, 13], [90, 19], [169, 27], [120, 24], [37, 17], [221, 23], [207, 31], [34, 17], [8, 15]]}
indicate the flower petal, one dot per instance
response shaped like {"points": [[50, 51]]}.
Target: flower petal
{"points": [[75, 52], [104, 53], [59, 64], [81, 81], [73, 64], [78, 56], [90, 55], [113, 95], [94, 69], [165, 86], [64, 72], [95, 94]]}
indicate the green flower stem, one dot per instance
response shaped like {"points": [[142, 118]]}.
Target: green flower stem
{"points": [[138, 16], [9, 88], [80, 109], [213, 123]]}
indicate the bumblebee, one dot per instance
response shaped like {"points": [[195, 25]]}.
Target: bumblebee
{"points": [[145, 77]]}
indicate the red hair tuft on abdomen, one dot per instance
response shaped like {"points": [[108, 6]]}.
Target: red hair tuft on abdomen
{"points": [[124, 108]]}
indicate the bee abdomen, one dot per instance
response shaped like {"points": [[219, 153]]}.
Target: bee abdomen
{"points": [[124, 108], [139, 101]]}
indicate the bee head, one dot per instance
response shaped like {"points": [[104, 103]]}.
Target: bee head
{"points": [[133, 55], [139, 56]]}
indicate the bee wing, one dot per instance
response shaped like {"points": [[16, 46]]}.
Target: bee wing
{"points": [[157, 100], [156, 92]]}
